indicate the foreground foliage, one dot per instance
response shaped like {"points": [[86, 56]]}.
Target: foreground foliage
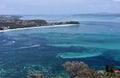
{"points": [[82, 70]]}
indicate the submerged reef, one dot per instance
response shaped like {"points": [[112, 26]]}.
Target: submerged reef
{"points": [[34, 75]]}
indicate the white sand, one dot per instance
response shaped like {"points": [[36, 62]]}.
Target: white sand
{"points": [[37, 27]]}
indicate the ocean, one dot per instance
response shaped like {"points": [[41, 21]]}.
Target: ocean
{"points": [[96, 41]]}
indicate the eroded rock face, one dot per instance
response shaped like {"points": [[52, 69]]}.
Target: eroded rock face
{"points": [[1, 28]]}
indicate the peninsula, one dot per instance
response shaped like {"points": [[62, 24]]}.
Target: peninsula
{"points": [[14, 22]]}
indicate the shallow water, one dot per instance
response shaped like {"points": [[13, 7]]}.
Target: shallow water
{"points": [[44, 50]]}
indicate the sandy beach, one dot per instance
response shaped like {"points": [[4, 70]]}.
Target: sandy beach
{"points": [[37, 27]]}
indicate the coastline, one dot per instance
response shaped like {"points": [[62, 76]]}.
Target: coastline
{"points": [[37, 27]]}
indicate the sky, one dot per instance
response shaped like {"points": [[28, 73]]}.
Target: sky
{"points": [[59, 6]]}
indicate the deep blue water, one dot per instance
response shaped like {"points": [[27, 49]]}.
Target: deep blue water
{"points": [[96, 41]]}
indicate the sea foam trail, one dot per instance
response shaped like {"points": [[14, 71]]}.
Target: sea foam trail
{"points": [[26, 47], [71, 55], [37, 27], [29, 46]]}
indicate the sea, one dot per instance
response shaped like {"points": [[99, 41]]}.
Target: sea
{"points": [[95, 41]]}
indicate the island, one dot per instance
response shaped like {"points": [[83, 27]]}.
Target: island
{"points": [[14, 22]]}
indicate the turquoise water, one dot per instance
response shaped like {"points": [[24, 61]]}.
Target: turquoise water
{"points": [[96, 41]]}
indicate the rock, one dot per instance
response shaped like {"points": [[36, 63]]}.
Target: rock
{"points": [[35, 75], [68, 22], [72, 22]]}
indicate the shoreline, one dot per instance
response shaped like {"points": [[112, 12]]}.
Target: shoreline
{"points": [[8, 30]]}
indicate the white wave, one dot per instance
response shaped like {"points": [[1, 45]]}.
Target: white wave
{"points": [[13, 41], [10, 43], [29, 46], [4, 40], [71, 55]]}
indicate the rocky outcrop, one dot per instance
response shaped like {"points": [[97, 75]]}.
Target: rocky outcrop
{"points": [[68, 22], [72, 22]]}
